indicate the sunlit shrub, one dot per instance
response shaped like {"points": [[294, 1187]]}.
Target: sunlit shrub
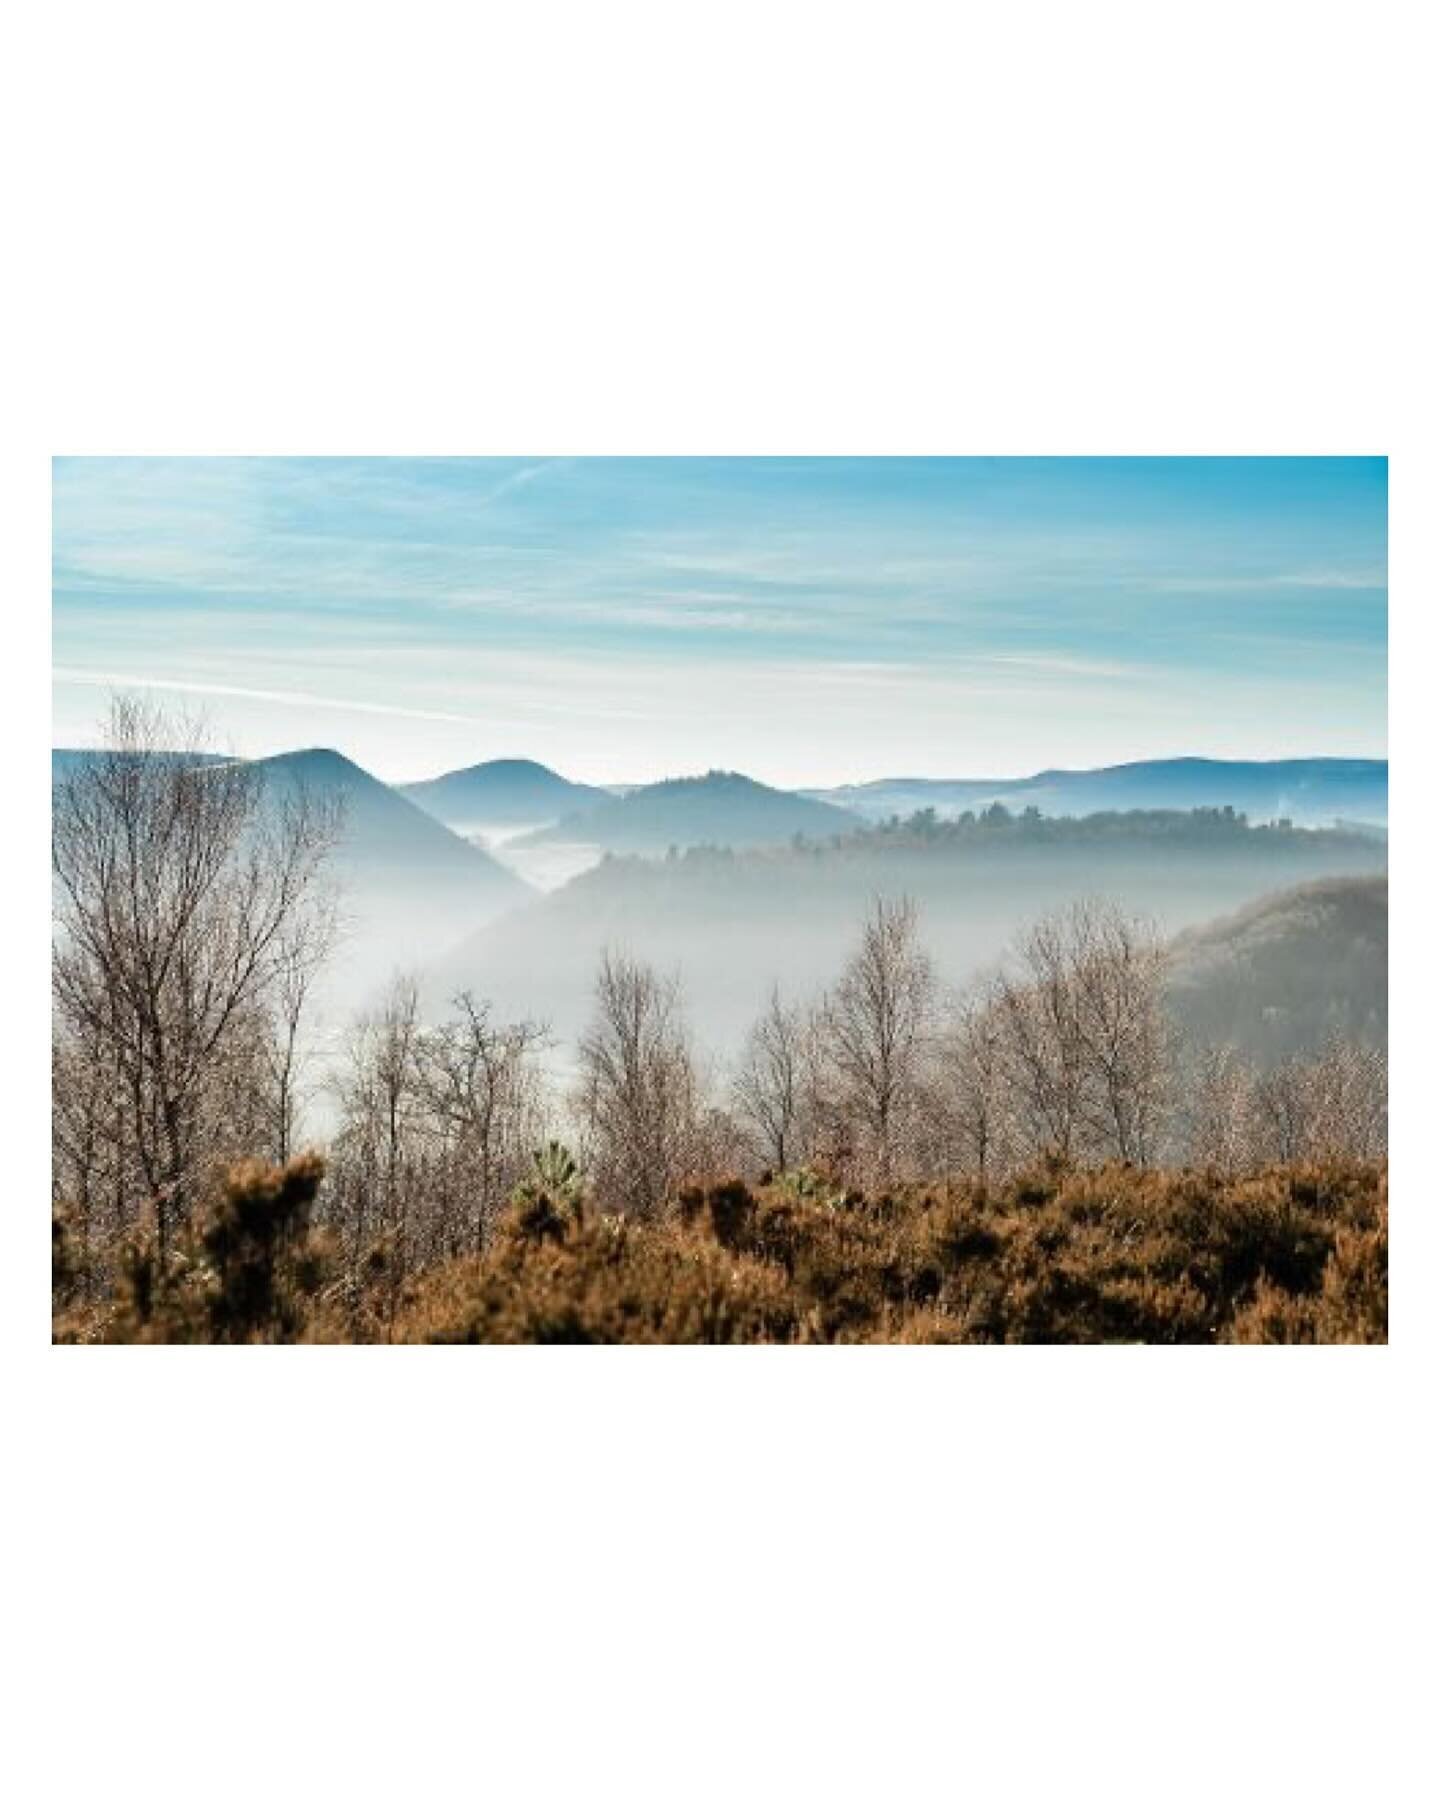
{"points": [[1293, 1254]]}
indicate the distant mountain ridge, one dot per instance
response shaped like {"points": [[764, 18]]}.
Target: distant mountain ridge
{"points": [[505, 792], [771, 883], [1309, 790], [383, 828], [407, 887], [722, 809]]}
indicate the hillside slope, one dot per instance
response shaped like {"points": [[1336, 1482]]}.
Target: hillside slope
{"points": [[407, 887], [385, 837], [732, 922], [1282, 974]]}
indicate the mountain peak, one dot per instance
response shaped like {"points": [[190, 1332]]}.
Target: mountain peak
{"points": [[721, 808], [510, 790], [319, 760]]}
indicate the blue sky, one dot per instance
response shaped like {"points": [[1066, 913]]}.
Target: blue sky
{"points": [[805, 620]]}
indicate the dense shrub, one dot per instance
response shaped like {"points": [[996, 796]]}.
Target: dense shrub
{"points": [[1294, 1254], [247, 1269]]}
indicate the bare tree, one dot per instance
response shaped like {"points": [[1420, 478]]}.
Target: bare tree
{"points": [[876, 1020], [974, 1098], [638, 1100], [1117, 969], [1284, 1112], [439, 1125], [1084, 1035], [1042, 1047], [830, 1139], [377, 1162], [1219, 1110], [175, 877], [1351, 1103], [85, 1132], [482, 1094], [1327, 1106], [771, 1083], [302, 945]]}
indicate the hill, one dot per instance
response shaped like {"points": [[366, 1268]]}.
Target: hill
{"points": [[501, 793], [385, 839], [383, 832], [1283, 973], [731, 922], [1314, 790], [408, 888], [719, 808]]}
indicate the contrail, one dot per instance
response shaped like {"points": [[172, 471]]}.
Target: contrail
{"points": [[516, 707], [79, 677]]}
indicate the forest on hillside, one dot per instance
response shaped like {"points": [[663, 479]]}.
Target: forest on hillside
{"points": [[731, 920], [1038, 1154]]}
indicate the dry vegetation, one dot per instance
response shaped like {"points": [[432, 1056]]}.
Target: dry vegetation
{"points": [[1115, 1254]]}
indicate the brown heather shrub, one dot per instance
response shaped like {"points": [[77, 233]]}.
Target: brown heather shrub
{"points": [[609, 1280], [1293, 1254], [1352, 1304], [247, 1269]]}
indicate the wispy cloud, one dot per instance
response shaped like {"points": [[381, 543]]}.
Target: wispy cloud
{"points": [[1085, 668], [647, 612], [1308, 580], [522, 478], [514, 702]]}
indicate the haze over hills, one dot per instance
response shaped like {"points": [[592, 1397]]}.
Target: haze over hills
{"points": [[1313, 790], [513, 792], [1281, 975], [720, 808], [384, 834], [386, 837], [408, 887], [769, 885], [732, 922]]}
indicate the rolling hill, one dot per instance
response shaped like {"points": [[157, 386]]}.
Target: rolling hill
{"points": [[731, 922], [1282, 974], [719, 809], [501, 793], [408, 886], [384, 835]]}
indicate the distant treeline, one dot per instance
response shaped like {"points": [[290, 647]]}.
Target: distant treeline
{"points": [[998, 828], [1206, 824], [733, 920]]}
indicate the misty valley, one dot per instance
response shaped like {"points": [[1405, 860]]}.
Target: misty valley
{"points": [[498, 1008]]}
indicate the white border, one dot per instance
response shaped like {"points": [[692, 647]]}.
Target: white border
{"points": [[786, 228]]}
